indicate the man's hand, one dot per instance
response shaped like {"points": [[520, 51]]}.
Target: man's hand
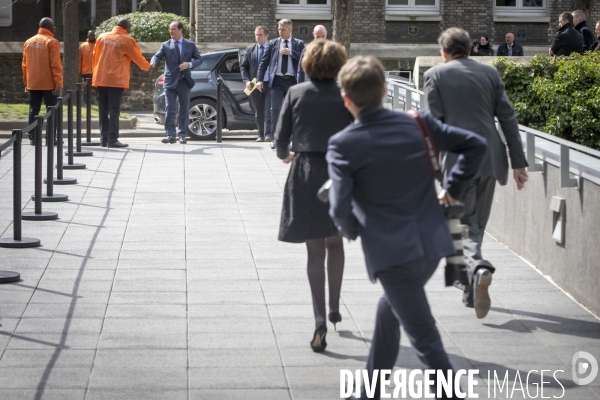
{"points": [[286, 51], [56, 91], [259, 86], [152, 65], [249, 85], [521, 177], [26, 91], [184, 65], [289, 158], [445, 198], [550, 51]]}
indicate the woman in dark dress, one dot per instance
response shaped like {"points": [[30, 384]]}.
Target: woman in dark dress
{"points": [[312, 112]]}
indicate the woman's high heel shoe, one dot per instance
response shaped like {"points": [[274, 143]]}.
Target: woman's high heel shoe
{"points": [[318, 343], [334, 318]]}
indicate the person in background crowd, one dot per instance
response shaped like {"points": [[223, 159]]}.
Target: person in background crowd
{"points": [[312, 113], [42, 70], [509, 48], [483, 48], [150, 6], [596, 45], [581, 27], [319, 32], [113, 54], [470, 95], [86, 57], [383, 191], [567, 39], [249, 68]]}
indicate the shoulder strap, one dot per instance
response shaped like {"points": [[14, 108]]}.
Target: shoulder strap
{"points": [[430, 148]]}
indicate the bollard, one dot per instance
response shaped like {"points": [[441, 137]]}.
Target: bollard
{"points": [[88, 120], [17, 241], [60, 179], [50, 196], [78, 152], [219, 109], [69, 153]]}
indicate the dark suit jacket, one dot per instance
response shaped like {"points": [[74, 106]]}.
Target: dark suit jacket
{"points": [[301, 76], [517, 50], [312, 112], [271, 58], [567, 41], [249, 67], [588, 36], [383, 188], [469, 95], [167, 50]]}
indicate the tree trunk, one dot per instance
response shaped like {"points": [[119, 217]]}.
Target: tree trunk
{"points": [[585, 6], [343, 14], [71, 44]]}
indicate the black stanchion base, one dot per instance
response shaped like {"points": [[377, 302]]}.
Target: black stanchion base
{"points": [[74, 166], [90, 143], [80, 153], [63, 181], [53, 198], [9, 276], [24, 243], [44, 216]]}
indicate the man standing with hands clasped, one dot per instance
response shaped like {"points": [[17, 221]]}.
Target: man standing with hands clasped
{"points": [[181, 56]]}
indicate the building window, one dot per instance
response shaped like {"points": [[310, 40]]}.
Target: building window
{"points": [[412, 7], [304, 6], [521, 7], [6, 12]]}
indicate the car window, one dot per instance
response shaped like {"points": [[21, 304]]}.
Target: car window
{"points": [[209, 61], [231, 65]]}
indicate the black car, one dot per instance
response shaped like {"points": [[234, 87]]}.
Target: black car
{"points": [[239, 112]]}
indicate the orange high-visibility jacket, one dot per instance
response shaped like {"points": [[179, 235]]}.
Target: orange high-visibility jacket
{"points": [[42, 68], [113, 54], [86, 56]]}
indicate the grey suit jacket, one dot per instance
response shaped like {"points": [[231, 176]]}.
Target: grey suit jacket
{"points": [[467, 94], [249, 67], [189, 54]]}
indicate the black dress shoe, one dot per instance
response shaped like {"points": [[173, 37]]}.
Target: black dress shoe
{"points": [[260, 139], [182, 140], [481, 298], [32, 142], [117, 144], [169, 139], [104, 143]]}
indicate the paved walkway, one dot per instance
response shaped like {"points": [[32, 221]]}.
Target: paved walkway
{"points": [[163, 279]]}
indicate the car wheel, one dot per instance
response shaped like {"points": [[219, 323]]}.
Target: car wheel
{"points": [[202, 119]]}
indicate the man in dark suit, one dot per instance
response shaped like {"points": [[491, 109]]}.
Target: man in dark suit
{"points": [[581, 27], [319, 32], [567, 39], [181, 56], [383, 191], [281, 62], [249, 68], [467, 94], [509, 48]]}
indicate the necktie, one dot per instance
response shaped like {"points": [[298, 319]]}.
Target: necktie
{"points": [[284, 60], [510, 50], [178, 51], [260, 53]]}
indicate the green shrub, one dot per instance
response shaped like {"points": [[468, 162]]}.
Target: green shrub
{"points": [[147, 26], [557, 95]]}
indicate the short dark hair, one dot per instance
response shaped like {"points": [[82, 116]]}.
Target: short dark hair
{"points": [[567, 17], [456, 42], [46, 23], [264, 29], [323, 59], [362, 79], [124, 23], [179, 24]]}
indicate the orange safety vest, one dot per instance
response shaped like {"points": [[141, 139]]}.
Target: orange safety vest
{"points": [[42, 67], [113, 54], [86, 56]]}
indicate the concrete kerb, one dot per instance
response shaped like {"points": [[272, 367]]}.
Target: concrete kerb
{"points": [[129, 123]]}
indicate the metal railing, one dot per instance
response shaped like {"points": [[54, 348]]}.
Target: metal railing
{"points": [[569, 157]]}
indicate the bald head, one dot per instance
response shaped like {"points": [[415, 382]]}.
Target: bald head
{"points": [[320, 32], [125, 24], [47, 23]]}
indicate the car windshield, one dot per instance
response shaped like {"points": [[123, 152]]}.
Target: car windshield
{"points": [[209, 61]]}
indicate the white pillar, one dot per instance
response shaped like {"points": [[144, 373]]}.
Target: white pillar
{"points": [[113, 8], [133, 6], [93, 12]]}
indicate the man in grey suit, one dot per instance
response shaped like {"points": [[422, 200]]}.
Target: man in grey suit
{"points": [[467, 94], [249, 68], [281, 62], [181, 56]]}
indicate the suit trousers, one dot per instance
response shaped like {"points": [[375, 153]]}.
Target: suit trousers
{"points": [[180, 94], [478, 206], [262, 111], [35, 104], [109, 105], [279, 89], [404, 303]]}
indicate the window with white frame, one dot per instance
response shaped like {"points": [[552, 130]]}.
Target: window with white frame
{"points": [[6, 12], [304, 6], [420, 7], [521, 7]]}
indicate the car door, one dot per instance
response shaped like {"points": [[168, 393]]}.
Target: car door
{"points": [[229, 69]]}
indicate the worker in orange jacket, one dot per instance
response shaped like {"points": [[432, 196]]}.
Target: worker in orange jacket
{"points": [[42, 70], [86, 57], [113, 54]]}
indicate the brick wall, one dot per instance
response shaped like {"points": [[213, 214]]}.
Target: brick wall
{"points": [[473, 16], [369, 21], [534, 33], [411, 32]]}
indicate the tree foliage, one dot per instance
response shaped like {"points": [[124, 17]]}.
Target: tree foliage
{"points": [[147, 26], [557, 95]]}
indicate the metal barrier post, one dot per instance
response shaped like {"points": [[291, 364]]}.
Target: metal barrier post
{"points": [[219, 109], [69, 153], [396, 98], [17, 241], [50, 196], [78, 152], [408, 100], [530, 151], [423, 103], [60, 179], [88, 119]]}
